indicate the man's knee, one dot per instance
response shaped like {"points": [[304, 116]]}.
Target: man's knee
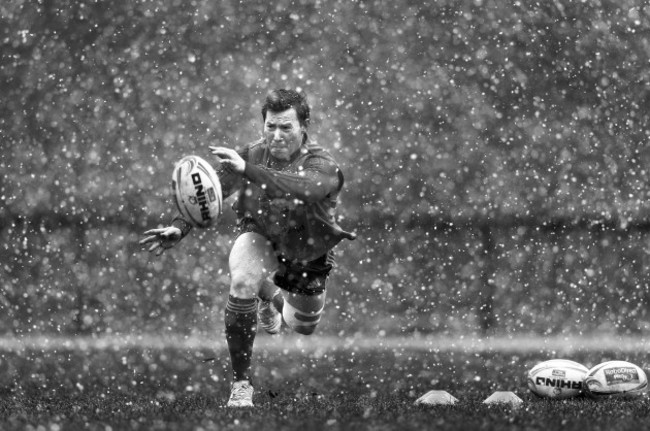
{"points": [[303, 313], [251, 260], [244, 286], [306, 330], [299, 325]]}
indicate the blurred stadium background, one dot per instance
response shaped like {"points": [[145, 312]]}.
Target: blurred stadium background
{"points": [[496, 157]]}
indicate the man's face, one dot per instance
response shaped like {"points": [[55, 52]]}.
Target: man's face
{"points": [[283, 133]]}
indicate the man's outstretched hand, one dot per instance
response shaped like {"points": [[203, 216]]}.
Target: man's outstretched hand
{"points": [[161, 239]]}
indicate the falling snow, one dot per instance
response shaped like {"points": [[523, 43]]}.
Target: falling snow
{"points": [[495, 153]]}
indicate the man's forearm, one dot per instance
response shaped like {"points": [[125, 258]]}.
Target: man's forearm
{"points": [[308, 186]]}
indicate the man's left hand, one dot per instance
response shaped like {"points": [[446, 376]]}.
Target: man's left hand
{"points": [[230, 159]]}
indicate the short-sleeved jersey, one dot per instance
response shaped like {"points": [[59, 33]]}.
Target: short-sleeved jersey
{"points": [[294, 206]]}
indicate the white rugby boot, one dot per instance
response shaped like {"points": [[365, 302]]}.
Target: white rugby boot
{"points": [[269, 317], [241, 394]]}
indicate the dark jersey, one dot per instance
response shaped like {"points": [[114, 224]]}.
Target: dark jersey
{"points": [[294, 206]]}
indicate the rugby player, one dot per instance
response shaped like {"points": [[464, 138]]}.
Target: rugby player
{"points": [[287, 188]]}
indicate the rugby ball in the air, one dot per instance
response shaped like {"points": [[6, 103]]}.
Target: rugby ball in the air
{"points": [[557, 378], [197, 191], [619, 379]]}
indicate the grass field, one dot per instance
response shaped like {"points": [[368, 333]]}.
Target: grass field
{"points": [[301, 383]]}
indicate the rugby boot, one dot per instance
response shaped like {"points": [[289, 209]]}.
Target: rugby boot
{"points": [[241, 394], [269, 317]]}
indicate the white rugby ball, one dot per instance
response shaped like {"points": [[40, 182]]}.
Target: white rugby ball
{"points": [[197, 191], [618, 379], [557, 378]]}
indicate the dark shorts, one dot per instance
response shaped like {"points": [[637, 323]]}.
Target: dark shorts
{"points": [[303, 278]]}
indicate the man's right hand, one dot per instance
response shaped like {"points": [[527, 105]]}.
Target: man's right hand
{"points": [[161, 239], [229, 159]]}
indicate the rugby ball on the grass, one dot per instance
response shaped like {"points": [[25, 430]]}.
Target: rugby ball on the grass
{"points": [[197, 191], [557, 378], [616, 379]]}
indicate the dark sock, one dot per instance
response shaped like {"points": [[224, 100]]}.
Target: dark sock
{"points": [[241, 328]]}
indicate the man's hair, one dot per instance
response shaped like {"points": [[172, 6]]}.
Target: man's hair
{"points": [[280, 100]]}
